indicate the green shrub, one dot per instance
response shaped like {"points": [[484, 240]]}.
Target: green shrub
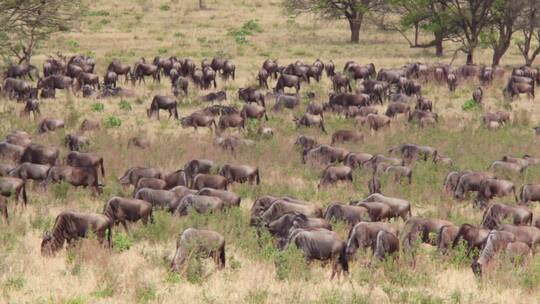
{"points": [[73, 45], [112, 122], [173, 277], [471, 105], [97, 107], [103, 293], [75, 300], [42, 223], [15, 283], [125, 105], [121, 242], [162, 51], [164, 8], [194, 270], [290, 265], [247, 29], [60, 190], [146, 294]]}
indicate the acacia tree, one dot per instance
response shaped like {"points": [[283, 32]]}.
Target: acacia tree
{"points": [[427, 15], [529, 23], [470, 17], [498, 34], [25, 23], [352, 10]]}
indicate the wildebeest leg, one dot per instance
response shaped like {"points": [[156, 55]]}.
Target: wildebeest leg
{"points": [[124, 223], [3, 209]]}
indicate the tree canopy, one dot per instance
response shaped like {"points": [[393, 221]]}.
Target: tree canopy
{"points": [[25, 23]]}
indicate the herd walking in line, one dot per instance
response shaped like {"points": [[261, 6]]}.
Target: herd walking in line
{"points": [[384, 225]]}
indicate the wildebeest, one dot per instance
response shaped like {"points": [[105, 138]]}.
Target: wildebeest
{"points": [[198, 243], [321, 244], [144, 69], [121, 210], [240, 173], [55, 82], [13, 186], [285, 80], [251, 95], [76, 176], [160, 102], [71, 225]]}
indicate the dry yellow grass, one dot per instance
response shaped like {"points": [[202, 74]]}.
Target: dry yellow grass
{"points": [[131, 29]]}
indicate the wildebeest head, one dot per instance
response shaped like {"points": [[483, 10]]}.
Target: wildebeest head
{"points": [[46, 244]]}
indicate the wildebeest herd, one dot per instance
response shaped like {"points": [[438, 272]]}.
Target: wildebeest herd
{"points": [[203, 186]]}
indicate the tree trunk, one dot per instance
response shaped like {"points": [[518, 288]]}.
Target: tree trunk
{"points": [[355, 24], [470, 56], [496, 58], [416, 34], [201, 4], [438, 45]]}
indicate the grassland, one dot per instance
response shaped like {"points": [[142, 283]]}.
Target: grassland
{"points": [[136, 271]]}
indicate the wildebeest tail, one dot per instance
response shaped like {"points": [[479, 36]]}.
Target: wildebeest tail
{"points": [[343, 261], [109, 236], [222, 256], [102, 168], [258, 177], [25, 197]]}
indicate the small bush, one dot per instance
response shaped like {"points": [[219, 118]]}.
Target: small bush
{"points": [[164, 8], [15, 283], [73, 45], [471, 105], [112, 122], [60, 190], [290, 265], [121, 242], [162, 51], [247, 29], [146, 294], [97, 107], [194, 270], [76, 300], [173, 277], [103, 293], [125, 105], [42, 223]]}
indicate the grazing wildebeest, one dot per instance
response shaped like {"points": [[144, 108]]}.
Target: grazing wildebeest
{"points": [[321, 244], [196, 120], [71, 225], [76, 176], [55, 82], [160, 102], [197, 243]]}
